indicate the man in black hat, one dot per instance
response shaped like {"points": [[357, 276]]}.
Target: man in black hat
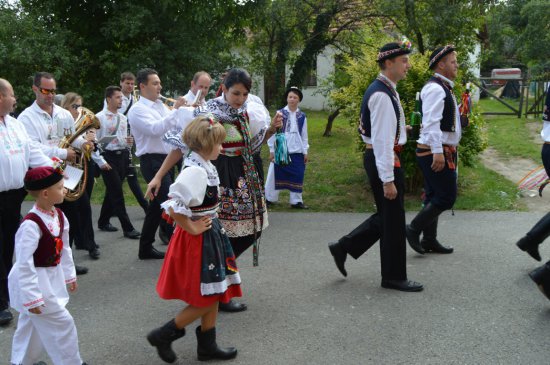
{"points": [[436, 151], [382, 127]]}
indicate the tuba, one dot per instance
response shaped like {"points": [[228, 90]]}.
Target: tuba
{"points": [[86, 120]]}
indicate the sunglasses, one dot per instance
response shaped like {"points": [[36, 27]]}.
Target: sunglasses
{"points": [[76, 106], [47, 91]]}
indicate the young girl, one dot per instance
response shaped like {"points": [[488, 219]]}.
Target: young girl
{"points": [[290, 177], [43, 268], [199, 267]]}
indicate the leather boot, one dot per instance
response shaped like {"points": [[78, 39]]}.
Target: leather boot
{"points": [[541, 277], [429, 239], [162, 339], [208, 349], [422, 220], [540, 231]]}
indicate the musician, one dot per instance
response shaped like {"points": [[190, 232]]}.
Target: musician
{"points": [[382, 128], [201, 82], [436, 152], [127, 82], [17, 154], [116, 153], [47, 124], [150, 119]]}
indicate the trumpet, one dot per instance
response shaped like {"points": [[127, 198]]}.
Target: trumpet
{"points": [[169, 102]]}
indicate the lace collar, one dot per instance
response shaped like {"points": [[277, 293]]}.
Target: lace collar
{"points": [[221, 109], [194, 159]]}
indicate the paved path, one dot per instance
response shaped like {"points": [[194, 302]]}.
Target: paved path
{"points": [[478, 306]]}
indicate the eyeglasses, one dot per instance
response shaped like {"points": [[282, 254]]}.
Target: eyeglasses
{"points": [[76, 106], [47, 91]]}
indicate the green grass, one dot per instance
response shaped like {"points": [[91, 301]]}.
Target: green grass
{"points": [[335, 180], [511, 135]]}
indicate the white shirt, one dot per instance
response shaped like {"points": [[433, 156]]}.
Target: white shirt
{"points": [[295, 142], [17, 153], [545, 133], [433, 103], [48, 130], [109, 121], [383, 127], [150, 120], [32, 286], [191, 96]]}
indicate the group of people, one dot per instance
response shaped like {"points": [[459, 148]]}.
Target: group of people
{"points": [[216, 207]]}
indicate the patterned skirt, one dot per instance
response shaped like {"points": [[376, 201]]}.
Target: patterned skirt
{"points": [[291, 177], [242, 208], [200, 270]]}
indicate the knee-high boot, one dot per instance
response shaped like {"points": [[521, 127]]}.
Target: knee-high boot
{"points": [[162, 339], [429, 239], [541, 276], [208, 349], [531, 241], [422, 220]]}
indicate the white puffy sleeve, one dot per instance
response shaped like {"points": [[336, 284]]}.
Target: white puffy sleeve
{"points": [[187, 191], [173, 138], [259, 120]]}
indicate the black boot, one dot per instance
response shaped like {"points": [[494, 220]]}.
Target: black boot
{"points": [[208, 349], [232, 307], [422, 220], [540, 231], [429, 239], [162, 339], [541, 276]]}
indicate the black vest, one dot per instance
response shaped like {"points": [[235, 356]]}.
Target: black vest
{"points": [[365, 122], [448, 121]]}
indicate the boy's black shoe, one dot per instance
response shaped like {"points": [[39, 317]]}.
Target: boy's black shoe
{"points": [[5, 317], [299, 205], [108, 228], [402, 285], [81, 270]]}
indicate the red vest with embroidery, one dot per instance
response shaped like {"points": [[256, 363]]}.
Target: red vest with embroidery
{"points": [[48, 252]]}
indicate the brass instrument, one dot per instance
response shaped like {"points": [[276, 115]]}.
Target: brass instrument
{"points": [[86, 120], [169, 102]]}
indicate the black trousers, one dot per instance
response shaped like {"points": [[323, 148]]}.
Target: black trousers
{"points": [[545, 154], [113, 202], [79, 215], [440, 187], [10, 215], [386, 225], [133, 183], [150, 164]]}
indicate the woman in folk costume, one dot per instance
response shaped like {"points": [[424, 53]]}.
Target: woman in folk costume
{"points": [[242, 209], [289, 176], [199, 267]]}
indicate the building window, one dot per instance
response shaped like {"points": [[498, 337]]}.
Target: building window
{"points": [[311, 77]]}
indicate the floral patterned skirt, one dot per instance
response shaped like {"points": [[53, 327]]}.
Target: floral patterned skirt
{"points": [[242, 209]]}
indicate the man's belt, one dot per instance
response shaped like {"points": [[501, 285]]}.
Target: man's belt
{"points": [[448, 151], [396, 149]]}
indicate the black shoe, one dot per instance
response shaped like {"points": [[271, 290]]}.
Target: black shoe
{"points": [[299, 205], [339, 256], [81, 270], [413, 237], [269, 203], [133, 234], [5, 317], [541, 277], [151, 254], [94, 253], [208, 349], [525, 244], [108, 228], [403, 285], [232, 307], [435, 247], [163, 237]]}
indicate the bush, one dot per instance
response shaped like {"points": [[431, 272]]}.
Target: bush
{"points": [[364, 70]]}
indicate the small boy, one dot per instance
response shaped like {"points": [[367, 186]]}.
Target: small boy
{"points": [[43, 268]]}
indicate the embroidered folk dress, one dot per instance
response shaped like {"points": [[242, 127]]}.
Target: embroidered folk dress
{"points": [[201, 269], [32, 286], [242, 199]]}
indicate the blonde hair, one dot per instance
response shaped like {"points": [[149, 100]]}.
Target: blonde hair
{"points": [[203, 134], [69, 99]]}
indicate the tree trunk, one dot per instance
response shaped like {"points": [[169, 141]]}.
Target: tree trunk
{"points": [[331, 117]]}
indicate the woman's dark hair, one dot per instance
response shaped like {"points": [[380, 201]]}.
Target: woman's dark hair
{"points": [[238, 76]]}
